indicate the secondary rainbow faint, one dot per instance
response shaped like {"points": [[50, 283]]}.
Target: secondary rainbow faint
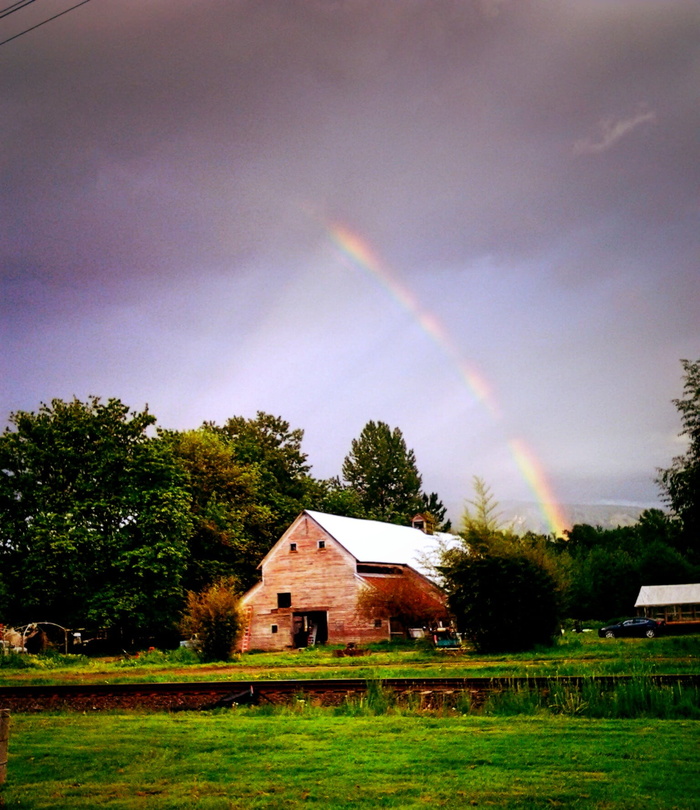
{"points": [[359, 251]]}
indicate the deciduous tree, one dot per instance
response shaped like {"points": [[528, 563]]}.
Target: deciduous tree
{"points": [[268, 444], [402, 598], [680, 483], [94, 518], [502, 602], [232, 528]]}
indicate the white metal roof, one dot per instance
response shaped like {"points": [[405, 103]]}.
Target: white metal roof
{"points": [[373, 541], [651, 595]]}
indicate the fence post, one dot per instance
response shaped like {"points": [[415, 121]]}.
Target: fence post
{"points": [[4, 739]]}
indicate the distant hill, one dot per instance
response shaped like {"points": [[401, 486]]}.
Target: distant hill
{"points": [[526, 516]]}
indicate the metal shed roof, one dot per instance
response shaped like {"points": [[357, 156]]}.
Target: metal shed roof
{"points": [[653, 595]]}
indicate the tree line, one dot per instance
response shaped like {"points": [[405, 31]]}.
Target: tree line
{"points": [[509, 592], [108, 521]]}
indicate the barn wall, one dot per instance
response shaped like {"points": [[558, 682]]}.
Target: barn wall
{"points": [[318, 579]]}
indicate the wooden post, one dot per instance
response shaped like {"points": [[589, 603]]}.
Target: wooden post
{"points": [[4, 739]]}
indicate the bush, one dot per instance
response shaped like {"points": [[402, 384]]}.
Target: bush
{"points": [[503, 602], [213, 616]]}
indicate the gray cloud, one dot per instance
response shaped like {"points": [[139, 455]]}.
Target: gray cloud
{"points": [[528, 170]]}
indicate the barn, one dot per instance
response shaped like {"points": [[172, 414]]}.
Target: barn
{"points": [[315, 573], [673, 604]]}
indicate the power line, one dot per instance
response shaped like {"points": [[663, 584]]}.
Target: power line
{"points": [[20, 4], [38, 25]]}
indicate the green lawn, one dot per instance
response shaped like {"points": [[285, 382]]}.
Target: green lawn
{"points": [[572, 654], [245, 759]]}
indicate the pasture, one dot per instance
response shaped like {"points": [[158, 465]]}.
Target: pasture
{"points": [[572, 654], [516, 752], [246, 760]]}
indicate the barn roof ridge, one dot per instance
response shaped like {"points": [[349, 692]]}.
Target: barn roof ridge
{"points": [[373, 541]]}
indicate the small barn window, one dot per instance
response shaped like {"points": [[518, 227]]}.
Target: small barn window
{"points": [[292, 546], [273, 629], [377, 622], [321, 543], [284, 600]]}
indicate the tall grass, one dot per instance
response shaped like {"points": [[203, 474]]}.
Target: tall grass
{"points": [[635, 699]]}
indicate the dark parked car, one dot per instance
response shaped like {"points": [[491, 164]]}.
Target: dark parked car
{"points": [[644, 628]]}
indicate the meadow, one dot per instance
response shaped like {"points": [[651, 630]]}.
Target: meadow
{"points": [[638, 746], [572, 654], [243, 759]]}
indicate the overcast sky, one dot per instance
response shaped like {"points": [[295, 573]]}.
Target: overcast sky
{"points": [[523, 174]]}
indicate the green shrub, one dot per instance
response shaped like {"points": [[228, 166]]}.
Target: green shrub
{"points": [[213, 616], [503, 601]]}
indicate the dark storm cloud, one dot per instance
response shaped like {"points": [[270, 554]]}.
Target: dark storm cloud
{"points": [[530, 169]]}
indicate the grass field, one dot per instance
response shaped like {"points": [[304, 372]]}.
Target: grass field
{"points": [[573, 654], [244, 760], [515, 753]]}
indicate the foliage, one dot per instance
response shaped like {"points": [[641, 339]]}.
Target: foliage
{"points": [[268, 445], [504, 591], [607, 567], [502, 601], [233, 529], [94, 517], [433, 506], [383, 472], [482, 528], [402, 598], [213, 616], [681, 481], [341, 499]]}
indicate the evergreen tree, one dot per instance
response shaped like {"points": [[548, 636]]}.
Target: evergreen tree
{"points": [[382, 471]]}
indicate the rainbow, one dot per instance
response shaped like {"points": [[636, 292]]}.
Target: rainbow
{"points": [[361, 254]]}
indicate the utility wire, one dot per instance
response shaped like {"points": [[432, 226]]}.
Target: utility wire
{"points": [[11, 9], [38, 25]]}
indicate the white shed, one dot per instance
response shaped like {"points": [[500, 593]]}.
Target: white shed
{"points": [[670, 603]]}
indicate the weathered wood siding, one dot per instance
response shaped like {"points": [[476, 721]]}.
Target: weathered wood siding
{"points": [[318, 579]]}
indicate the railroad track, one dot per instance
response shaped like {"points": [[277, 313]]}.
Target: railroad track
{"points": [[198, 695]]}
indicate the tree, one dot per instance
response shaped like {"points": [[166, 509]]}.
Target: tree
{"points": [[383, 472], [268, 445], [213, 616], [681, 481], [504, 591], [341, 499], [231, 527], [607, 567], [502, 601], [481, 521], [94, 518], [433, 506], [403, 598]]}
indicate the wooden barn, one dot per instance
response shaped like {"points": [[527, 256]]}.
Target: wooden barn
{"points": [[673, 604], [314, 575]]}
